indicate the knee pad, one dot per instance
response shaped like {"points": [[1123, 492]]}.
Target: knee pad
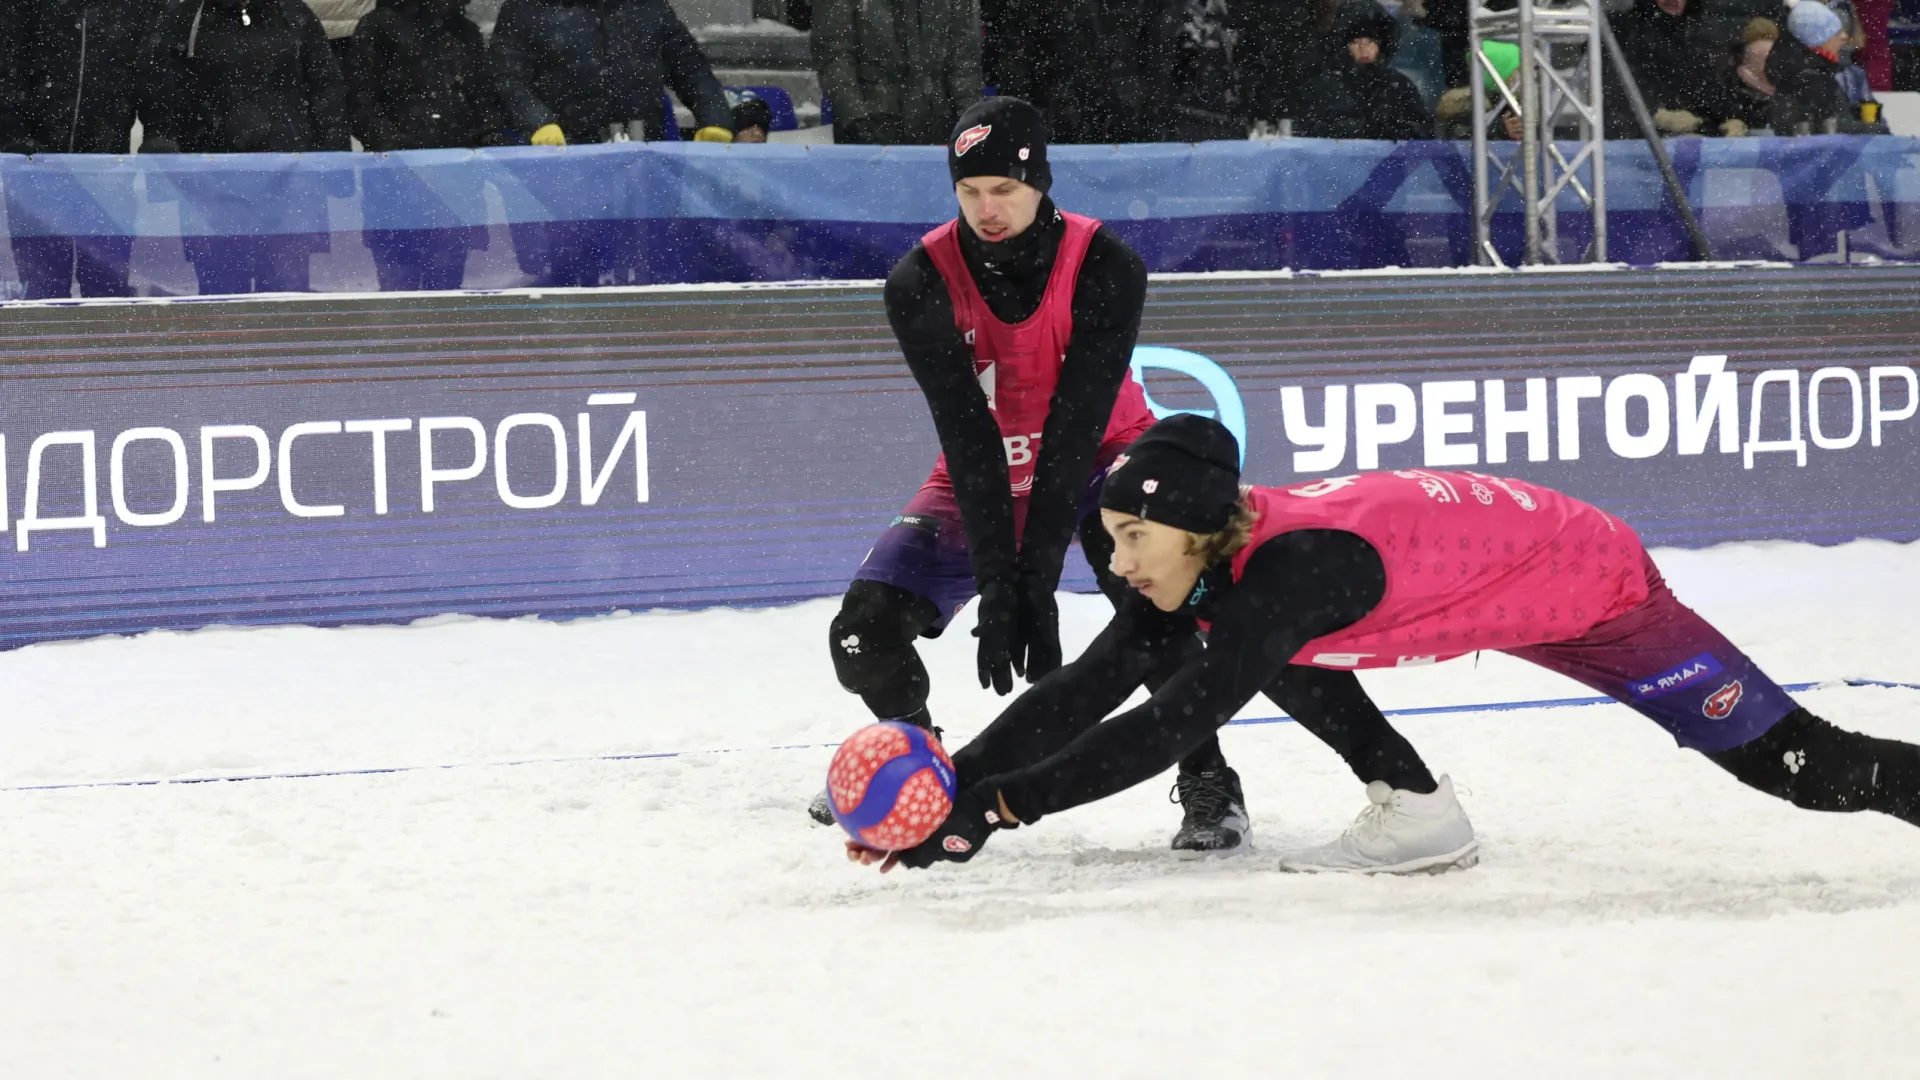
{"points": [[876, 623]]}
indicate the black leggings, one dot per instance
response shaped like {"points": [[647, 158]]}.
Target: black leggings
{"points": [[1333, 707], [1816, 766]]}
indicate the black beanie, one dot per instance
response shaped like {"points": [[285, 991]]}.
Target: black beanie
{"points": [[1000, 136], [753, 111], [1184, 472]]}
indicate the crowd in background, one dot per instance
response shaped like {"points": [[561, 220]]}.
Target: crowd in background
{"points": [[218, 76], [263, 75]]}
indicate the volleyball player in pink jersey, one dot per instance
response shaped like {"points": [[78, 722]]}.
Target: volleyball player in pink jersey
{"points": [[1303, 584], [1018, 321]]}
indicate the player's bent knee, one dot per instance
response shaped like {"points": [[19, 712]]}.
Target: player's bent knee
{"points": [[875, 622]]}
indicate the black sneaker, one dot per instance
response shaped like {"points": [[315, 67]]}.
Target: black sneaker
{"points": [[1216, 820], [820, 810]]}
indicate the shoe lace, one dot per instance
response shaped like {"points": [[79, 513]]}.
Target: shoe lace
{"points": [[1204, 797], [1372, 821]]}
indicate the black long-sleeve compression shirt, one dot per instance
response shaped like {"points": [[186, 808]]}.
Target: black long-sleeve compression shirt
{"points": [[1050, 750], [1012, 277]]}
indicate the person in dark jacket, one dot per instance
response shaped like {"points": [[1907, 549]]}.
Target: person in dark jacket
{"points": [[421, 81], [1676, 67], [1098, 70], [897, 71], [589, 71], [1448, 18], [1806, 69], [1205, 97], [1364, 98], [246, 76], [68, 86], [1324, 44], [1271, 35], [1750, 93]]}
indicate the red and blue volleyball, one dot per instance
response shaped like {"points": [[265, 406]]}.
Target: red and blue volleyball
{"points": [[890, 785]]}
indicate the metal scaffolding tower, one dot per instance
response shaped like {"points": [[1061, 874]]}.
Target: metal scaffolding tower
{"points": [[1546, 95]]}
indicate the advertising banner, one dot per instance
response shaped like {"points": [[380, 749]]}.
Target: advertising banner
{"points": [[653, 213], [331, 461]]}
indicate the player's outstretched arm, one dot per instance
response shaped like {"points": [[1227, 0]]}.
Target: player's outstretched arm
{"points": [[1295, 588], [1042, 721], [1062, 706], [1107, 303]]}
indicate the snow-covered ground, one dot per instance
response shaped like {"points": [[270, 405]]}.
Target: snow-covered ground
{"points": [[1636, 912]]}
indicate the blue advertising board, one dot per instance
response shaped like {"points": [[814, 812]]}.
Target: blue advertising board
{"points": [[643, 213], [331, 461]]}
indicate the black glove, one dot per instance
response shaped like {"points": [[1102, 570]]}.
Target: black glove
{"points": [[1003, 652], [1019, 631], [975, 816], [1039, 627]]}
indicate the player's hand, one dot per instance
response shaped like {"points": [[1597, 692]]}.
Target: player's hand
{"points": [[1002, 649], [1039, 627], [975, 816], [858, 852]]}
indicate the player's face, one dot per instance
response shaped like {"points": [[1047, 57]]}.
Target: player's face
{"points": [[1155, 559], [997, 207]]}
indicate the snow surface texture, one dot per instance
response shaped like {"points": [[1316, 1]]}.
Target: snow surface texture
{"points": [[1636, 912]]}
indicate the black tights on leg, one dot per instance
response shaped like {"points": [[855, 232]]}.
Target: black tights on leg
{"points": [[1336, 710], [1816, 766]]}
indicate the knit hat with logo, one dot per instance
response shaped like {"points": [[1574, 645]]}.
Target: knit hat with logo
{"points": [[1184, 472], [1000, 136]]}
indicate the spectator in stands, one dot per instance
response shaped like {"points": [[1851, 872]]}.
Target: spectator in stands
{"points": [[1206, 96], [1750, 93], [1676, 70], [1124, 71], [1268, 33], [1364, 98], [243, 76], [339, 17], [1853, 77], [590, 71], [246, 76], [1334, 24], [67, 86], [752, 120], [1810, 74], [421, 81], [897, 71], [1448, 18]]}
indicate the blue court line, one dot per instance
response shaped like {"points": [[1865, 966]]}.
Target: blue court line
{"points": [[1429, 710]]}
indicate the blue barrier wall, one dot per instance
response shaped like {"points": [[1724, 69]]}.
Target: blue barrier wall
{"points": [[333, 460], [655, 213]]}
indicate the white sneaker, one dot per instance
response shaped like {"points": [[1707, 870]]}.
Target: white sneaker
{"points": [[1398, 833]]}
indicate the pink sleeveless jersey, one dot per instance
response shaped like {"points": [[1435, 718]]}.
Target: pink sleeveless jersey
{"points": [[1473, 562], [1018, 365]]}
